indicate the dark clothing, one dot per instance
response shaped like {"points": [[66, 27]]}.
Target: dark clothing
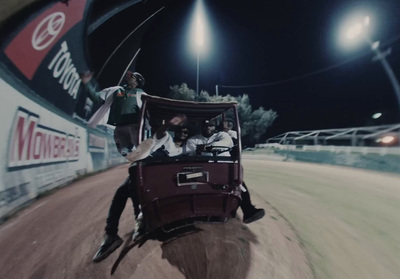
{"points": [[118, 203], [246, 204], [128, 190], [126, 136], [124, 108], [124, 113]]}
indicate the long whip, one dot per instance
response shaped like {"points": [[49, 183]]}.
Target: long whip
{"points": [[126, 69]]}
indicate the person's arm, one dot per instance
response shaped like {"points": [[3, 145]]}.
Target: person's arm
{"points": [[171, 148], [222, 139], [191, 146], [159, 142], [93, 95], [233, 134], [175, 121]]}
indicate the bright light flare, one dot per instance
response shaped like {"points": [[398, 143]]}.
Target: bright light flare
{"points": [[375, 45], [358, 28], [199, 31], [366, 21], [376, 115], [388, 139], [355, 30]]}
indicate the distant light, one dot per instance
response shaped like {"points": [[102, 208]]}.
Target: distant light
{"points": [[375, 45], [366, 20], [388, 139], [358, 28], [376, 115], [354, 31], [199, 31]]}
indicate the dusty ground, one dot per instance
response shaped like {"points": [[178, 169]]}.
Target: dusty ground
{"points": [[57, 236], [347, 219]]}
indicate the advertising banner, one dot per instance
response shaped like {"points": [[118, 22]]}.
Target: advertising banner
{"points": [[47, 53], [33, 144], [43, 144], [42, 150]]}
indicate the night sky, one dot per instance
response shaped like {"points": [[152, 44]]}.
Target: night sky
{"points": [[284, 54]]}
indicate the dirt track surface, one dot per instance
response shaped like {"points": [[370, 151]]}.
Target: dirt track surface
{"points": [[57, 236], [348, 220]]}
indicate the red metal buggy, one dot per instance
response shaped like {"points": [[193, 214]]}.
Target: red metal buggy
{"points": [[182, 190]]}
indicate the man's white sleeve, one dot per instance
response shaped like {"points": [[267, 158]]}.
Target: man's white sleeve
{"points": [[223, 139], [191, 146], [160, 142], [169, 145]]}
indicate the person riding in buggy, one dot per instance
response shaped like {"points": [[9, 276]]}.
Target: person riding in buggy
{"points": [[201, 185], [178, 182]]}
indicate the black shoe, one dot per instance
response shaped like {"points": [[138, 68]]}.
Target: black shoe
{"points": [[253, 215], [109, 245]]}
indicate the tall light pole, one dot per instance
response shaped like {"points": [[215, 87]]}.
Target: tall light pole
{"points": [[199, 44], [359, 29]]}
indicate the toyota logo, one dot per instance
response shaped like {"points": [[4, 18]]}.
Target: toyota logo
{"points": [[47, 30]]}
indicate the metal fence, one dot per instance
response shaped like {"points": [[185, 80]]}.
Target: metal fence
{"points": [[384, 135]]}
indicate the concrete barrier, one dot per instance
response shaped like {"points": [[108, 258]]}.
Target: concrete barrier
{"points": [[373, 158], [42, 150], [45, 142]]}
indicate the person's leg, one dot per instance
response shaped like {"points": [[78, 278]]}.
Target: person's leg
{"points": [[111, 239], [133, 191], [134, 194], [133, 134], [117, 206], [117, 140], [245, 205], [250, 212]]}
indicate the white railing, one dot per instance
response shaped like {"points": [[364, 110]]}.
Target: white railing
{"points": [[332, 148], [358, 136]]}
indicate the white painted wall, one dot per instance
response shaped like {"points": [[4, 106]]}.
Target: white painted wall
{"points": [[41, 150]]}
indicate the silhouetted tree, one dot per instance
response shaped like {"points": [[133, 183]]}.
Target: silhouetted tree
{"points": [[253, 123]]}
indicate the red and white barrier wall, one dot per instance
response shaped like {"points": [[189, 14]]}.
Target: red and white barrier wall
{"points": [[45, 141]]}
